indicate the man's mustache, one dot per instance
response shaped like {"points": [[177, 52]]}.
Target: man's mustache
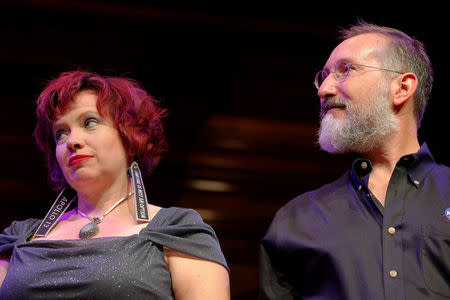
{"points": [[334, 102]]}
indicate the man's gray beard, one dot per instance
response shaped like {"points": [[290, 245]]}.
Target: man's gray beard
{"points": [[362, 130]]}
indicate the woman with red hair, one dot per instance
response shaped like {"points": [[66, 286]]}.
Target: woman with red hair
{"points": [[101, 239]]}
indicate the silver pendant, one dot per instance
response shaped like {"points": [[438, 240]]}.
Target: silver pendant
{"points": [[89, 230]]}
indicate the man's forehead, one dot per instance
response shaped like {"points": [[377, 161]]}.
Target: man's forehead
{"points": [[358, 49]]}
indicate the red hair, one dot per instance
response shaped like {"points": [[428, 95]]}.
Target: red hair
{"points": [[136, 115]]}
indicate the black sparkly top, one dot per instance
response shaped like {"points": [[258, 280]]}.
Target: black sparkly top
{"points": [[129, 267]]}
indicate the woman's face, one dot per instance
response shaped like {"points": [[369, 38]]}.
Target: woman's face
{"points": [[89, 149]]}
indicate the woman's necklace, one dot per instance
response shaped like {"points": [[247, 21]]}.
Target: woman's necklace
{"points": [[91, 229]]}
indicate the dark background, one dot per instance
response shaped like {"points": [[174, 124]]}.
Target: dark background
{"points": [[237, 82]]}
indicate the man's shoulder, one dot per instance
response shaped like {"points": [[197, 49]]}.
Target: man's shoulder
{"points": [[308, 212], [324, 192], [307, 205], [442, 169]]}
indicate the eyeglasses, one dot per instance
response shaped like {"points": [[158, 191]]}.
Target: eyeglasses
{"points": [[342, 71]]}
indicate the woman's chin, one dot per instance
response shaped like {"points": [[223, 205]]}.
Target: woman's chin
{"points": [[82, 179]]}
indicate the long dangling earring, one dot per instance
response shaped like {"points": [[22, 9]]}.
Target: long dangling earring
{"points": [[62, 202], [140, 196]]}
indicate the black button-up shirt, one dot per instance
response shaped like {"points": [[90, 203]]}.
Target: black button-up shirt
{"points": [[339, 242]]}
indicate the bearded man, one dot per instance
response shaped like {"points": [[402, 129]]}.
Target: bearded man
{"points": [[382, 230]]}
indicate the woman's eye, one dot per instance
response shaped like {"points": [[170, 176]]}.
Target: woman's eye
{"points": [[60, 135], [91, 122]]}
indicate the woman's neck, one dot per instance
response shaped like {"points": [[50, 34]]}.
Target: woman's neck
{"points": [[96, 200]]}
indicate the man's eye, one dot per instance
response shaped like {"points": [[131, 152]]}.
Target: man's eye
{"points": [[348, 67], [342, 68]]}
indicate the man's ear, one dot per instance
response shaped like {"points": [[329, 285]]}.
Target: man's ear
{"points": [[404, 86]]}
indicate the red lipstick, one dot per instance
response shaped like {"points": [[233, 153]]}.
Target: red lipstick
{"points": [[78, 158]]}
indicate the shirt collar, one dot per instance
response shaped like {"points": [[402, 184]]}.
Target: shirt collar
{"points": [[418, 164], [422, 163], [359, 173]]}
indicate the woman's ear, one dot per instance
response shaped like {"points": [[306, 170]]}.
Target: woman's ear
{"points": [[404, 87]]}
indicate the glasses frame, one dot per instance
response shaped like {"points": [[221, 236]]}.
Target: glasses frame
{"points": [[345, 74]]}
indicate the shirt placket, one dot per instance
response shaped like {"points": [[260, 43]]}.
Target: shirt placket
{"points": [[392, 235]]}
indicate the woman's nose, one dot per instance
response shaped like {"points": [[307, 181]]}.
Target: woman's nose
{"points": [[74, 141]]}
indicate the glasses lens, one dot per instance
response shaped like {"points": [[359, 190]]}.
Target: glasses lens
{"points": [[342, 70], [320, 77]]}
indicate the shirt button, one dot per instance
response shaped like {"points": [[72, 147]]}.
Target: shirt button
{"points": [[416, 182], [393, 273], [363, 165], [391, 230]]}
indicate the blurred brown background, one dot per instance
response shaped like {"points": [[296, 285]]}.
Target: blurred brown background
{"points": [[237, 81]]}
